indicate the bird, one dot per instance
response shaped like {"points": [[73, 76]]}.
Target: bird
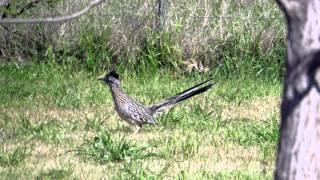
{"points": [[137, 114]]}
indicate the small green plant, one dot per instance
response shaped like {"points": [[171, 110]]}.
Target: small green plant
{"points": [[104, 148]]}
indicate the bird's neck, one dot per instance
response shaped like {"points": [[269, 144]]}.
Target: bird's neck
{"points": [[117, 93]]}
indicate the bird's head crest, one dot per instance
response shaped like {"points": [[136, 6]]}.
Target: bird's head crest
{"points": [[111, 77]]}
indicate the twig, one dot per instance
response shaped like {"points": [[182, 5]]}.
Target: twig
{"points": [[92, 4]]}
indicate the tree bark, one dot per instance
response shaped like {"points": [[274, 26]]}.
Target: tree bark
{"points": [[299, 144]]}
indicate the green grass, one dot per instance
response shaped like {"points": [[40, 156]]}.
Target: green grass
{"points": [[248, 133], [66, 119], [14, 157], [54, 174]]}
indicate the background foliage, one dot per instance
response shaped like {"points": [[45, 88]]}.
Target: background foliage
{"points": [[236, 36]]}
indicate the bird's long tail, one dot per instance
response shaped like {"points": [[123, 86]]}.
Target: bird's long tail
{"points": [[171, 101]]}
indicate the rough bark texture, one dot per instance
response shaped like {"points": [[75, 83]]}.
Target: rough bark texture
{"points": [[299, 146]]}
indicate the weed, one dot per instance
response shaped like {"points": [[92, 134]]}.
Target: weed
{"points": [[104, 148]]}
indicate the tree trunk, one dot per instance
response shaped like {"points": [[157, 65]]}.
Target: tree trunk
{"points": [[299, 145]]}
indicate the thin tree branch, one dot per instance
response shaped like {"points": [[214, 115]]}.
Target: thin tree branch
{"points": [[91, 5]]}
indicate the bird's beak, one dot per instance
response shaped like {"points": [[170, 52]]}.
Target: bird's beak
{"points": [[101, 78]]}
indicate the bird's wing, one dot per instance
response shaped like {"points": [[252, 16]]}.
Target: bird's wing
{"points": [[141, 114]]}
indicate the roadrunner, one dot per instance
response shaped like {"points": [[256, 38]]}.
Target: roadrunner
{"points": [[137, 114]]}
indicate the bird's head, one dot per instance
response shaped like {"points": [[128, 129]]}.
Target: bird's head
{"points": [[111, 78]]}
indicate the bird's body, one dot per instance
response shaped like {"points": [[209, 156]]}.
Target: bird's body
{"points": [[136, 113], [129, 109]]}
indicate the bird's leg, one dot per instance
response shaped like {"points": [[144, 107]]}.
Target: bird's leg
{"points": [[137, 129]]}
